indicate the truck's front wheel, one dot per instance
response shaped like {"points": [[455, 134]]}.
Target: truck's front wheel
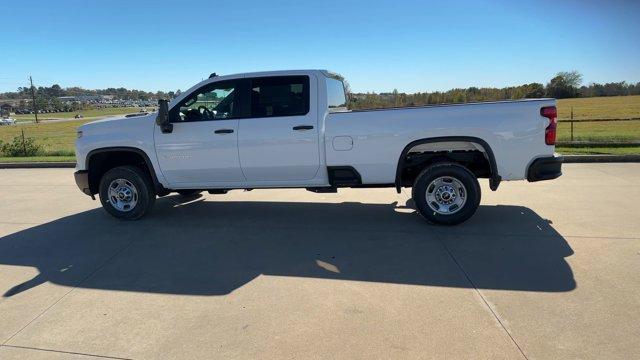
{"points": [[126, 192], [446, 193]]}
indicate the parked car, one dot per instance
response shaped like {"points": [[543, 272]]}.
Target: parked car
{"points": [[292, 129], [7, 121], [78, 116]]}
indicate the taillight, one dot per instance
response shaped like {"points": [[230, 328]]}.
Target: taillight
{"points": [[551, 113]]}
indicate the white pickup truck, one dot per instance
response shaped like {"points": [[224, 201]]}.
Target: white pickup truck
{"points": [[292, 129]]}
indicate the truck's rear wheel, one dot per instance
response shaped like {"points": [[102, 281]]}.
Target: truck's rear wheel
{"points": [[126, 192], [446, 193]]}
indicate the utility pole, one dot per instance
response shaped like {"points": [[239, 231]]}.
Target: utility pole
{"points": [[33, 96]]}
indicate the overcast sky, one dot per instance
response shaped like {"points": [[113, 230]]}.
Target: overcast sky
{"points": [[376, 45]]}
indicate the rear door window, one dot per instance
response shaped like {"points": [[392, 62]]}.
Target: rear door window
{"points": [[279, 96]]}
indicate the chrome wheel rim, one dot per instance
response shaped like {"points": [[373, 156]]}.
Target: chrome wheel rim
{"points": [[123, 195], [446, 195]]}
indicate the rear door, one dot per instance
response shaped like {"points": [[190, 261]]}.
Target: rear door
{"points": [[279, 139]]}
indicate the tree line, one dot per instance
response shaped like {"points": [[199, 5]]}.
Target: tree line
{"points": [[48, 97], [56, 90], [563, 85]]}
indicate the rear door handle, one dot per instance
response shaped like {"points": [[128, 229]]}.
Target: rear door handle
{"points": [[303, 127], [224, 131]]}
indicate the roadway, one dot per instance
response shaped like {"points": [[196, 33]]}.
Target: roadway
{"points": [[543, 270]]}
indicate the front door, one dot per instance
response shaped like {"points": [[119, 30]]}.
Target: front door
{"points": [[202, 149], [279, 140]]}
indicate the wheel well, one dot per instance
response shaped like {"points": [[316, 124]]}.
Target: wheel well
{"points": [[102, 161], [474, 155]]}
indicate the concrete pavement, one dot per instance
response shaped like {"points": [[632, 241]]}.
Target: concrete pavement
{"points": [[543, 270]]}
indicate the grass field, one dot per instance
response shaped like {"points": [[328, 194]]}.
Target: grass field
{"points": [[614, 107], [54, 137], [600, 131], [631, 150], [89, 114], [4, 159], [59, 137]]}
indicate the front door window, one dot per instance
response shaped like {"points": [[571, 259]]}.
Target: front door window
{"points": [[214, 102]]}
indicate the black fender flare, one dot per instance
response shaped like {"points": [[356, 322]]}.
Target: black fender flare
{"points": [[494, 180], [156, 183]]}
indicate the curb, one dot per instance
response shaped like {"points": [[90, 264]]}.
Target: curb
{"points": [[601, 158], [37, 165]]}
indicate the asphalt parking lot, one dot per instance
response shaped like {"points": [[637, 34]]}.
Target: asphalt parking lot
{"points": [[544, 270]]}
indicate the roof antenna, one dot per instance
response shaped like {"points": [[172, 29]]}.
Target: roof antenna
{"points": [[213, 75]]}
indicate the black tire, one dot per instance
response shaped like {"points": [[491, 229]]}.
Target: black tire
{"points": [[458, 172], [189, 192], [145, 192]]}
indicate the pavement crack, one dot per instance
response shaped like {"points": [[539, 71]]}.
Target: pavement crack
{"points": [[495, 315], [100, 267], [65, 352]]}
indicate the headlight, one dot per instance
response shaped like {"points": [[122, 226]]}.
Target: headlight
{"points": [[79, 134]]}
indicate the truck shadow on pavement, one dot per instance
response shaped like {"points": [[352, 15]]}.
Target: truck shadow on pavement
{"points": [[198, 247]]}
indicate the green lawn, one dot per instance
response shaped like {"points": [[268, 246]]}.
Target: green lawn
{"points": [[57, 138], [631, 150], [54, 136], [611, 107], [600, 131], [4, 159], [616, 107]]}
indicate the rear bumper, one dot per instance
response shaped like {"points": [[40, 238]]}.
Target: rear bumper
{"points": [[82, 180], [545, 168]]}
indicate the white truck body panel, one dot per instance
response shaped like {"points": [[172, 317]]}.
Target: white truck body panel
{"points": [[265, 152], [513, 129], [136, 133], [193, 151]]}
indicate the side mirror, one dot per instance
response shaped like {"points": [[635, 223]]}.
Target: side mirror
{"points": [[163, 116]]}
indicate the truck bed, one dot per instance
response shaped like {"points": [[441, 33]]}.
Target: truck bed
{"points": [[513, 129]]}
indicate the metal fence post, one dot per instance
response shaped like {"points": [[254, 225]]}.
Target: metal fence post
{"points": [[571, 130], [572, 124]]}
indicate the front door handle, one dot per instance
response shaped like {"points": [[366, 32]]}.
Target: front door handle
{"points": [[224, 131], [303, 127]]}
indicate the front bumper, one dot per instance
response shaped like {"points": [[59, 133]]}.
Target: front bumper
{"points": [[82, 180], [545, 168]]}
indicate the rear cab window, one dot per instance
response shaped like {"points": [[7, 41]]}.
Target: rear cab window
{"points": [[336, 97], [279, 96]]}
